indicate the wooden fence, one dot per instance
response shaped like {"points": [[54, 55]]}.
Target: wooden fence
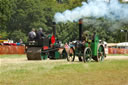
{"points": [[5, 49], [12, 49], [117, 51]]}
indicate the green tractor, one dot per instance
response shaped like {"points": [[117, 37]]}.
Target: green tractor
{"points": [[86, 49], [46, 47]]}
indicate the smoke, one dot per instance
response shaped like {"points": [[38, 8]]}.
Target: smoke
{"points": [[95, 8]]}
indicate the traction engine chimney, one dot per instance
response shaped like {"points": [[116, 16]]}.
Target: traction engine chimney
{"points": [[80, 29], [54, 28]]}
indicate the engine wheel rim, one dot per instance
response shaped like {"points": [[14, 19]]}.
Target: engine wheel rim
{"points": [[87, 55]]}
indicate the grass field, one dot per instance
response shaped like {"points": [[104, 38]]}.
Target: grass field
{"points": [[117, 55], [16, 70]]}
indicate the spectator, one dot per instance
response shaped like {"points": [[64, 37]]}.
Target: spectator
{"points": [[21, 41]]}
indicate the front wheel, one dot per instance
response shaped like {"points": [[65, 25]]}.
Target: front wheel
{"points": [[100, 53], [87, 54]]}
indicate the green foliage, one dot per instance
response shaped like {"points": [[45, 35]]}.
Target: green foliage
{"points": [[23, 15], [28, 14], [17, 35], [5, 12], [3, 34], [107, 30], [67, 32]]}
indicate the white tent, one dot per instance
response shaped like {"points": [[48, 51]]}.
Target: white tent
{"points": [[125, 44], [125, 0]]}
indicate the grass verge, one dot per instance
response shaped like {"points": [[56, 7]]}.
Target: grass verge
{"points": [[109, 72], [117, 55], [13, 56]]}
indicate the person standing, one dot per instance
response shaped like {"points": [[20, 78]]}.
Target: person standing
{"points": [[40, 34], [21, 41]]}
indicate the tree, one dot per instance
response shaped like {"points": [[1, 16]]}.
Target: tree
{"points": [[28, 14], [6, 12], [3, 34], [24, 15], [17, 35]]}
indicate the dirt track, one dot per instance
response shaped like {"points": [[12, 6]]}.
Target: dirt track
{"points": [[24, 60]]}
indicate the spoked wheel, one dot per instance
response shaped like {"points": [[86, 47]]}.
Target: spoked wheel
{"points": [[100, 53], [87, 54], [71, 55]]}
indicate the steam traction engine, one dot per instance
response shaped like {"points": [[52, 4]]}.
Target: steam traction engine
{"points": [[46, 47], [86, 51]]}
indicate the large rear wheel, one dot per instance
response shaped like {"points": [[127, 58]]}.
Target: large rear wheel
{"points": [[87, 54], [71, 55]]}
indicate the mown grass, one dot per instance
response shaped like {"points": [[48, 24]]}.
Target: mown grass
{"points": [[117, 55], [109, 72], [13, 56], [24, 56]]}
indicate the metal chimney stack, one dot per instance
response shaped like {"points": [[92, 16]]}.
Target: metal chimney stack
{"points": [[80, 29], [54, 28]]}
